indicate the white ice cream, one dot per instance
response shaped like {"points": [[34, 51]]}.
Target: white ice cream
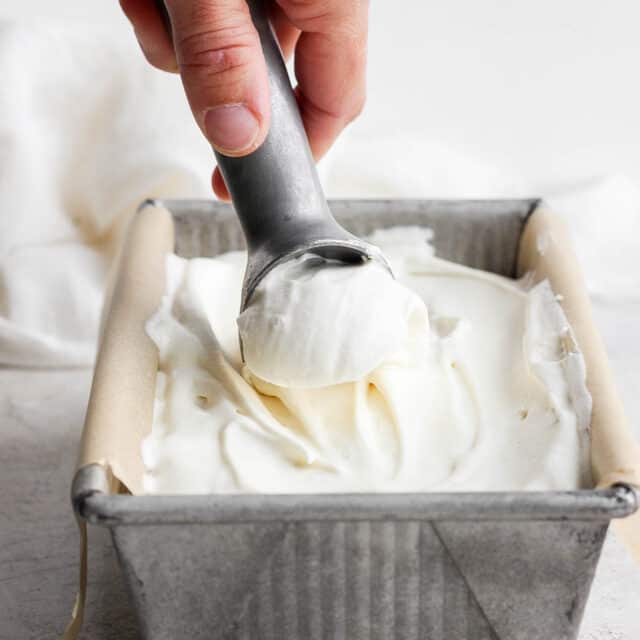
{"points": [[314, 322], [479, 387]]}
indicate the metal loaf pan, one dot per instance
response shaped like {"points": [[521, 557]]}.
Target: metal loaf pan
{"points": [[442, 566]]}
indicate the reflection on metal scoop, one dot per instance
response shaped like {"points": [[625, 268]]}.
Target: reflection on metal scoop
{"points": [[276, 191]]}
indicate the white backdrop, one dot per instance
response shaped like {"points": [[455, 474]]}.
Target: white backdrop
{"points": [[547, 89]]}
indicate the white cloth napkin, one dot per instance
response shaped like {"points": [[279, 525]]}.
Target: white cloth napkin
{"points": [[89, 130]]}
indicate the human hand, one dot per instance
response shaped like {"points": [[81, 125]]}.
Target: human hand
{"points": [[216, 49]]}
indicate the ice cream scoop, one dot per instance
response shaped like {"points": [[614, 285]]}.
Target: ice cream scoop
{"points": [[276, 191]]}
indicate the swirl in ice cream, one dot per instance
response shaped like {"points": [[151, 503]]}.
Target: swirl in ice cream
{"points": [[477, 385]]}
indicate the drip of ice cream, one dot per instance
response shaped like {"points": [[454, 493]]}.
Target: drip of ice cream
{"points": [[479, 386]]}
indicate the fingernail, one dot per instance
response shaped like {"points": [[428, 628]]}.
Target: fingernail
{"points": [[231, 128]]}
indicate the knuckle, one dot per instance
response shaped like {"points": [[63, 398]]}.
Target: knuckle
{"points": [[323, 14], [218, 50], [357, 107], [352, 105], [217, 61], [160, 60]]}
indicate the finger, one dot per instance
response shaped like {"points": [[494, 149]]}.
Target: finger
{"points": [[286, 33], [330, 65], [223, 72], [219, 186], [151, 33]]}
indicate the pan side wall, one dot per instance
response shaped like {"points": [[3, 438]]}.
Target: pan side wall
{"points": [[480, 234], [405, 580]]}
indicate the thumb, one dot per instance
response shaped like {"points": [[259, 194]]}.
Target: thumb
{"points": [[223, 71]]}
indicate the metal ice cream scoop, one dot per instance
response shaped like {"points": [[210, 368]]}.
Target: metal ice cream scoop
{"points": [[276, 191]]}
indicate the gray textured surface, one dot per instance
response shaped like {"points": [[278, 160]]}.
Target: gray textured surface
{"points": [[41, 415]]}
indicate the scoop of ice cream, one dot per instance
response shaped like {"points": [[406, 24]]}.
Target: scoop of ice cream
{"points": [[314, 322]]}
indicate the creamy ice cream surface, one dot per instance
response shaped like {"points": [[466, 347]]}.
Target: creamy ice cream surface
{"points": [[446, 378]]}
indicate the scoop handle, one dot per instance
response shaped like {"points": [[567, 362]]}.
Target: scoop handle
{"points": [[276, 189]]}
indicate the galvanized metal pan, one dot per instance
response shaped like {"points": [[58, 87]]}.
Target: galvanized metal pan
{"points": [[439, 566]]}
